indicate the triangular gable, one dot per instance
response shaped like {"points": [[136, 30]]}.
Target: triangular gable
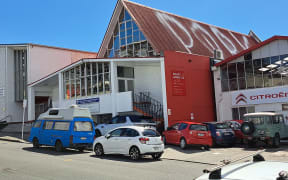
{"points": [[166, 31]]}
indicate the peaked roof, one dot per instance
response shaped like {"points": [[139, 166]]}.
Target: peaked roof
{"points": [[166, 31], [257, 46]]}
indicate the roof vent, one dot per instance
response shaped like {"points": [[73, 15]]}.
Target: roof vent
{"points": [[218, 54]]}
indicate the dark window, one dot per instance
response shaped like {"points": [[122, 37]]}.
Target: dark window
{"points": [[258, 73], [150, 133], [248, 56], [182, 126], [141, 119], [37, 124], [125, 72], [130, 133], [221, 126], [118, 120], [235, 114], [117, 132], [249, 73], [198, 127]]}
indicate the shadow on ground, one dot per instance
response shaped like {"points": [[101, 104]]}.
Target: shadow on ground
{"points": [[51, 151], [122, 158]]}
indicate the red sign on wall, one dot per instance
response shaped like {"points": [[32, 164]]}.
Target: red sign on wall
{"points": [[178, 83]]}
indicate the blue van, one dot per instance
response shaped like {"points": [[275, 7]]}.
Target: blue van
{"points": [[63, 128]]}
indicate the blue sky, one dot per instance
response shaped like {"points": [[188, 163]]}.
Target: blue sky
{"points": [[82, 24]]}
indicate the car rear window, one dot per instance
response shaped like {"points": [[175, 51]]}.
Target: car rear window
{"points": [[83, 126], [257, 120], [222, 126], [62, 126], [150, 133], [198, 127]]}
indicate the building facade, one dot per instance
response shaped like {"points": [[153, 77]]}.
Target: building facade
{"points": [[254, 80]]}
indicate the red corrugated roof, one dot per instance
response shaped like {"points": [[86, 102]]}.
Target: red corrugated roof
{"points": [[231, 58], [166, 31]]}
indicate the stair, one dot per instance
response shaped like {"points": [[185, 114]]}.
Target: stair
{"points": [[143, 103]]}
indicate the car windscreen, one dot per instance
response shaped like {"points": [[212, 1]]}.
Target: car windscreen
{"points": [[257, 120], [221, 126], [83, 126], [150, 133]]}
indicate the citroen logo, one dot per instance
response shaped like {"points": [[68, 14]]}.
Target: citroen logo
{"points": [[241, 97]]}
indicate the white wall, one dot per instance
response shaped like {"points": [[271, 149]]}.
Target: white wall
{"points": [[148, 78], [2, 82]]}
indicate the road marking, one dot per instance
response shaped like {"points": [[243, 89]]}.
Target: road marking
{"points": [[68, 160]]}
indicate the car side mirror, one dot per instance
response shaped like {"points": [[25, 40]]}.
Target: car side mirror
{"points": [[107, 136]]}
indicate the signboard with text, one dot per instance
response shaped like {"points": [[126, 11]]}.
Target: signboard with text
{"points": [[260, 96], [178, 83], [92, 104]]}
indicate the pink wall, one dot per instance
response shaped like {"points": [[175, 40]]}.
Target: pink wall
{"points": [[47, 60], [188, 87]]}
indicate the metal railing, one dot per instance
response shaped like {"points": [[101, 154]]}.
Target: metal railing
{"points": [[149, 106]]}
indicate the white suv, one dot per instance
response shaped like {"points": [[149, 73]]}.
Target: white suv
{"points": [[119, 121], [130, 140]]}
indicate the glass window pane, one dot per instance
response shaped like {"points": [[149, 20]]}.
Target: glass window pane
{"points": [[127, 15], [129, 25], [83, 87], [122, 28], [107, 82], [144, 48], [224, 72], [88, 86], [94, 85], [94, 68], [242, 111], [88, 69], [135, 27], [240, 70], [72, 88], [136, 36], [130, 50], [77, 70], [100, 83], [67, 92], [129, 40], [72, 75], [130, 85], [232, 72], [125, 72], [242, 83], [137, 50], [78, 88], [123, 41], [258, 73], [233, 84], [235, 114], [106, 67], [66, 74], [250, 109], [121, 85], [116, 42], [142, 37], [122, 34], [83, 69], [225, 84], [62, 126], [100, 67]]}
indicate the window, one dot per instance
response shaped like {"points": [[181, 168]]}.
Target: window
{"points": [[130, 133], [48, 125], [127, 40], [53, 112], [284, 107], [125, 72], [183, 126], [221, 126], [62, 126], [150, 133], [238, 112], [198, 127], [117, 132], [118, 120], [83, 126], [37, 124]]}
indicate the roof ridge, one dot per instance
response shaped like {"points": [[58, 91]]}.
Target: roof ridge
{"points": [[184, 17]]}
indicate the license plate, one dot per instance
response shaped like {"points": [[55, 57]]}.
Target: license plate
{"points": [[83, 138], [226, 134], [200, 134], [156, 148]]}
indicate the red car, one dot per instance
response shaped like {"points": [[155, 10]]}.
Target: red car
{"points": [[188, 133], [235, 125]]}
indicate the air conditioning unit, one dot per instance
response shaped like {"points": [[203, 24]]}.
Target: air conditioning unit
{"points": [[218, 54]]}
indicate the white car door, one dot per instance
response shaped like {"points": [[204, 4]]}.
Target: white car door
{"points": [[128, 139], [114, 141]]}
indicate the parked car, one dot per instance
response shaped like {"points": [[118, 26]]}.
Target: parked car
{"points": [[235, 125], [130, 140], [221, 133], [63, 128], [129, 120], [267, 127], [188, 133], [258, 169]]}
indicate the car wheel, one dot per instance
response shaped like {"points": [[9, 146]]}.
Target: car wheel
{"points": [[247, 128], [164, 140], [59, 146], [99, 150], [183, 143], [207, 147], [134, 153], [97, 133], [36, 143], [276, 141], [156, 156]]}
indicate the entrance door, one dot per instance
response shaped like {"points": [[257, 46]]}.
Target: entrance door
{"points": [[125, 84]]}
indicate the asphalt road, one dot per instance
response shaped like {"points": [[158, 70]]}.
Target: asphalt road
{"points": [[20, 161]]}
